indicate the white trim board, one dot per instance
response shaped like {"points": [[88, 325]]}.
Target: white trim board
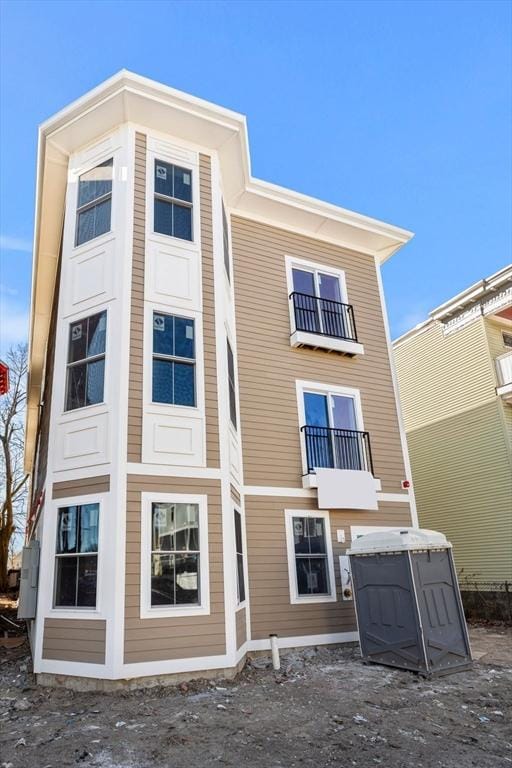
{"points": [[304, 640]]}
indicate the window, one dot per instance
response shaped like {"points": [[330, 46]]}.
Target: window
{"points": [[173, 200], [232, 388], [507, 339], [94, 202], [239, 558], [76, 566], [317, 301], [310, 561], [175, 554], [225, 239], [173, 360], [86, 362]]}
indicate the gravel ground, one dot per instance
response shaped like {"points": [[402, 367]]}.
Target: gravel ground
{"points": [[325, 708]]}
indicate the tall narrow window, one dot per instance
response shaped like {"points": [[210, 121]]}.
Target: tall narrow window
{"points": [[225, 239], [76, 566], [310, 559], [175, 554], [173, 200], [232, 388], [174, 369], [86, 361], [94, 202], [239, 557]]}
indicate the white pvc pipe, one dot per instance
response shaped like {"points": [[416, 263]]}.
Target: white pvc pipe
{"points": [[276, 662]]}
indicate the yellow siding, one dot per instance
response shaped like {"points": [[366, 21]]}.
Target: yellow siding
{"points": [[458, 432]]}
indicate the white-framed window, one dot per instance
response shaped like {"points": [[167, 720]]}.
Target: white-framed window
{"points": [[94, 204], [174, 360], [174, 555], [310, 558], [85, 375], [332, 427], [318, 300], [76, 556], [240, 561], [173, 205], [231, 385], [507, 339]]}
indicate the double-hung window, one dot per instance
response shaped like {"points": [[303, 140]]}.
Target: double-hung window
{"points": [[94, 206], [86, 361], [76, 556], [232, 386], [173, 200], [174, 370], [310, 560], [175, 554], [239, 558]]}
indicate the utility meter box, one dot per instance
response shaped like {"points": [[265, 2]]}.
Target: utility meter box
{"points": [[28, 582], [407, 600]]}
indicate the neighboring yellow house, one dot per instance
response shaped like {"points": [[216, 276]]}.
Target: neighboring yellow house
{"points": [[455, 377]]}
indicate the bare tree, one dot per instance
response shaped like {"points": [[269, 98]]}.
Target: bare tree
{"points": [[13, 480]]}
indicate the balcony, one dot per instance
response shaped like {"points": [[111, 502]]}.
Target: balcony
{"points": [[323, 323], [504, 375], [340, 465]]}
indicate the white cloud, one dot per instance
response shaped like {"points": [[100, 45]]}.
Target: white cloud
{"points": [[13, 324], [8, 243]]}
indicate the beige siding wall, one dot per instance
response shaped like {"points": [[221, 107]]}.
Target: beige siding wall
{"points": [[80, 640], [241, 628], [458, 444], [235, 495], [270, 606], [495, 331], [168, 638], [81, 487], [137, 304], [268, 366], [210, 361]]}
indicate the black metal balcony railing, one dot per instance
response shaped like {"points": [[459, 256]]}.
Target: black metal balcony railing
{"points": [[323, 316], [337, 449]]}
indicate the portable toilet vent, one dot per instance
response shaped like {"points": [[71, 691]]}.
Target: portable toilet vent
{"points": [[407, 600]]}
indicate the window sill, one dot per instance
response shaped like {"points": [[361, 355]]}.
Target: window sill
{"points": [[75, 613], [174, 612], [317, 341], [93, 243], [311, 481], [312, 599], [171, 240], [89, 410]]}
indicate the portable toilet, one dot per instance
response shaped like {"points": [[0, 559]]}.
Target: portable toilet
{"points": [[407, 600]]}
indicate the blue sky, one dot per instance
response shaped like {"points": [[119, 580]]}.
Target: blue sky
{"points": [[399, 110]]}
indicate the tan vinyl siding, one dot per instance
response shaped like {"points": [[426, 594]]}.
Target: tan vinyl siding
{"points": [[137, 304], [81, 487], [495, 332], [241, 628], [268, 366], [79, 640], [172, 638], [440, 376], [267, 559], [210, 360]]}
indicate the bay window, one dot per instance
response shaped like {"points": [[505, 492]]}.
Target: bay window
{"points": [[94, 205], [76, 556], [173, 200], [86, 361], [174, 371]]}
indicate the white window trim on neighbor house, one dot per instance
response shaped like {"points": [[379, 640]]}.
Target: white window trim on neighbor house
{"points": [[74, 612], [301, 338], [146, 610], [295, 598]]}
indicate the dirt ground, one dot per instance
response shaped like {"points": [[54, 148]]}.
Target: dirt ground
{"points": [[325, 708]]}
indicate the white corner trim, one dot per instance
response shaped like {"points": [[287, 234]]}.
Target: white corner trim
{"points": [[295, 598], [146, 610], [403, 438]]}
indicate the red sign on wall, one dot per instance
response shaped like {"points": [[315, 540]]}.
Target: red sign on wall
{"points": [[4, 378]]}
